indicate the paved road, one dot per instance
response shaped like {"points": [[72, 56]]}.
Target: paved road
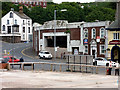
{"points": [[30, 56]]}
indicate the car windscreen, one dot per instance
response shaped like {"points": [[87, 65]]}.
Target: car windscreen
{"points": [[99, 59], [46, 52], [13, 58]]}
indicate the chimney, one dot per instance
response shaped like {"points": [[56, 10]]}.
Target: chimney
{"points": [[118, 13], [21, 9]]}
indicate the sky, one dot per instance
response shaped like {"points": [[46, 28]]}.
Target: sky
{"points": [[81, 1]]}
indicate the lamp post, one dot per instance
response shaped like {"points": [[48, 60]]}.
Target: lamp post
{"points": [[55, 48], [12, 9]]}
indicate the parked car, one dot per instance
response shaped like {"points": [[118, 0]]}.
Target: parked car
{"points": [[103, 62], [11, 59], [3, 60], [45, 55]]}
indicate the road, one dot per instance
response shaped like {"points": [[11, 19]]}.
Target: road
{"points": [[18, 50]]}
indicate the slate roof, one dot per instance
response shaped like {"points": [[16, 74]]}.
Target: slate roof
{"points": [[116, 24], [22, 15]]}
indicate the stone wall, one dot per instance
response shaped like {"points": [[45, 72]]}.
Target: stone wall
{"points": [[11, 39]]}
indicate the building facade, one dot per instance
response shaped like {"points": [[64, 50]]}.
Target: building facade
{"points": [[22, 22], [114, 37], [31, 3], [72, 38]]}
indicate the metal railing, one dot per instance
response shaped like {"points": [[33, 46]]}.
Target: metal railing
{"points": [[59, 66]]}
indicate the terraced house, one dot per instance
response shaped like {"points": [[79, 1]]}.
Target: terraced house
{"points": [[114, 37]]}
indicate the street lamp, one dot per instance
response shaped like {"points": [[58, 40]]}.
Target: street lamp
{"points": [[55, 48]]}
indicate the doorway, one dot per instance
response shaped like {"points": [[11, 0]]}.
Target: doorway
{"points": [[94, 50], [93, 53], [75, 50], [115, 54], [9, 29]]}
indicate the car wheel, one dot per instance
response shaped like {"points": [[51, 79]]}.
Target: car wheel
{"points": [[96, 63], [40, 57], [107, 64], [43, 57]]}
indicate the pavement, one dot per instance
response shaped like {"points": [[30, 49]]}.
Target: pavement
{"points": [[29, 52], [48, 79]]}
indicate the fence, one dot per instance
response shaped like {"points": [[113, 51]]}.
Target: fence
{"points": [[60, 66], [79, 59]]}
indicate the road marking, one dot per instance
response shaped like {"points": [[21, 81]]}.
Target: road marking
{"points": [[25, 54]]}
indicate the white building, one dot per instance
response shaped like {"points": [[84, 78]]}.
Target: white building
{"points": [[22, 21]]}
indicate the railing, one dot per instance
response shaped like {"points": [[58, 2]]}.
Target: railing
{"points": [[60, 65]]}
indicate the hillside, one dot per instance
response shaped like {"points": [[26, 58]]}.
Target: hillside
{"points": [[76, 12]]}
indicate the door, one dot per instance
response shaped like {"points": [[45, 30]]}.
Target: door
{"points": [[9, 29], [93, 53]]}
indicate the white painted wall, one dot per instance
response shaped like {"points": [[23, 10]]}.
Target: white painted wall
{"points": [[19, 22]]}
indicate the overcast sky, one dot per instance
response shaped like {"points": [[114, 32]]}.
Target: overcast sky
{"points": [[82, 1]]}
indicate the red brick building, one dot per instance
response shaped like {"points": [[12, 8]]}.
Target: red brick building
{"points": [[31, 3], [73, 38]]}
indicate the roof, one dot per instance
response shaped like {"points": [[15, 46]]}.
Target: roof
{"points": [[114, 26], [22, 15]]}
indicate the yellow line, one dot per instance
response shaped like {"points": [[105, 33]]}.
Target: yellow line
{"points": [[25, 54]]}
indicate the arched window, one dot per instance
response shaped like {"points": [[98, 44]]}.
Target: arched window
{"points": [[11, 15], [85, 33], [3, 27], [102, 33], [94, 33]]}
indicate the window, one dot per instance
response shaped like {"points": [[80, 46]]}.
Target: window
{"points": [[86, 33], [28, 22], [102, 49], [23, 36], [86, 49], [94, 33], [15, 21], [28, 29], [7, 21], [16, 29], [102, 33], [23, 22], [44, 3], [11, 15], [116, 36], [3, 27], [23, 29]]}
